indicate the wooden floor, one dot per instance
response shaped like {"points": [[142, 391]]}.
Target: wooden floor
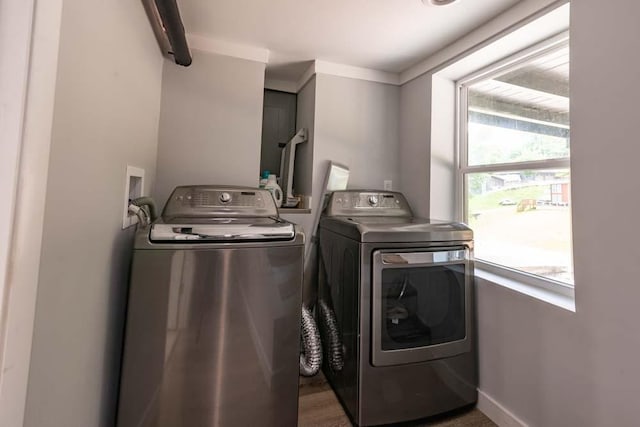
{"points": [[319, 407]]}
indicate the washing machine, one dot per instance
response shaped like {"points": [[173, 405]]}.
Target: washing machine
{"points": [[400, 288], [213, 318]]}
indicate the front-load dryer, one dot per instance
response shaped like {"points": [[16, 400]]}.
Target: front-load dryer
{"points": [[401, 289]]}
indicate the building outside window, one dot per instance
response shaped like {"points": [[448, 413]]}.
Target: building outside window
{"points": [[514, 174]]}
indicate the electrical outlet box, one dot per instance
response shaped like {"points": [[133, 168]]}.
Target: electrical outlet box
{"points": [[134, 188], [388, 185]]}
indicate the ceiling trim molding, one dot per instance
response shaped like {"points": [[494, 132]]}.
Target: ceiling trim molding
{"points": [[306, 76], [342, 70], [349, 71], [235, 50], [519, 15], [281, 85]]}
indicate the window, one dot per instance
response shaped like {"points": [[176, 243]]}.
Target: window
{"points": [[514, 174]]}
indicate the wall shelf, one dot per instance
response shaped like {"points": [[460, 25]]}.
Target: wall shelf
{"points": [[294, 210]]}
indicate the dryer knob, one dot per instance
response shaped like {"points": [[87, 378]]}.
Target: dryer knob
{"points": [[225, 197], [373, 200]]}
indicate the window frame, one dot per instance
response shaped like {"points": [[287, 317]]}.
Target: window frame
{"points": [[505, 65]]}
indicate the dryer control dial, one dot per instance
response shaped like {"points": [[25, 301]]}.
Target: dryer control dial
{"points": [[373, 200]]}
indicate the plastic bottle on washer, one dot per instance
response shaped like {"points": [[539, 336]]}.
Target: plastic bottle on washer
{"points": [[263, 179], [274, 188]]}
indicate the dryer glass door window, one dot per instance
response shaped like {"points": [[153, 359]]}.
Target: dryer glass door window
{"points": [[420, 305]]}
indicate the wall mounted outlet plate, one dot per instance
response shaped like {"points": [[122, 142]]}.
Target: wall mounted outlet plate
{"points": [[134, 188]]}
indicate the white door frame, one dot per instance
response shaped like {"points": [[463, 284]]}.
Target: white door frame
{"points": [[16, 20], [29, 42]]}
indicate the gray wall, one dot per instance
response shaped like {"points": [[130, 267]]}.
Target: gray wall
{"points": [[443, 165], [357, 124], [305, 118], [210, 123], [352, 122], [427, 154], [303, 169], [415, 135], [106, 116], [546, 365]]}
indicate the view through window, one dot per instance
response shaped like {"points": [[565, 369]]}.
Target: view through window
{"points": [[514, 163]]}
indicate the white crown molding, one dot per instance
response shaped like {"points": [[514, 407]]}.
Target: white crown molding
{"points": [[341, 70], [306, 76], [349, 71], [281, 85], [258, 54], [519, 15], [235, 50]]}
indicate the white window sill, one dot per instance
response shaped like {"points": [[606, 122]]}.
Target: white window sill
{"points": [[566, 302]]}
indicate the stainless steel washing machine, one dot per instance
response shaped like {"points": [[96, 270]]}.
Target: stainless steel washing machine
{"points": [[213, 320], [401, 289]]}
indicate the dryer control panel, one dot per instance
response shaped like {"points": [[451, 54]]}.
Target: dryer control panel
{"points": [[367, 203]]}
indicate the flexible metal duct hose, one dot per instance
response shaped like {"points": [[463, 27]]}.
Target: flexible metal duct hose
{"points": [[147, 201], [167, 23], [333, 346], [311, 354]]}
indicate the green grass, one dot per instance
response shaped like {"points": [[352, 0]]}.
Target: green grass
{"points": [[491, 200]]}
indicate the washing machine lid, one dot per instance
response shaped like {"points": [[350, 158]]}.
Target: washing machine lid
{"points": [[397, 229], [220, 230]]}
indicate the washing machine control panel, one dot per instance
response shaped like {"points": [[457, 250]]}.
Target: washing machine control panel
{"points": [[213, 198], [202, 200], [225, 197], [369, 203]]}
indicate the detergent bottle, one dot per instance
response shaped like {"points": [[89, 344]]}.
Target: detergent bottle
{"points": [[274, 188], [264, 178]]}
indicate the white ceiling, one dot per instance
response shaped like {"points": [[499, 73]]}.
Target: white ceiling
{"points": [[385, 35]]}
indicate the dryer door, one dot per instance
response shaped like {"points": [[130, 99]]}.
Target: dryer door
{"points": [[421, 305]]}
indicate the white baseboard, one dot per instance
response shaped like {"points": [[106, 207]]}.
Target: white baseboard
{"points": [[496, 412]]}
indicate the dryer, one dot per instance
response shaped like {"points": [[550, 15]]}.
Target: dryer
{"points": [[401, 289]]}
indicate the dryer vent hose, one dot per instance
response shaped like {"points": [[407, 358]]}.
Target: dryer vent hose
{"points": [[149, 203], [331, 339], [311, 354]]}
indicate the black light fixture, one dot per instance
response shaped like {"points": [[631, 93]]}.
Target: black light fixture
{"points": [[165, 20]]}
